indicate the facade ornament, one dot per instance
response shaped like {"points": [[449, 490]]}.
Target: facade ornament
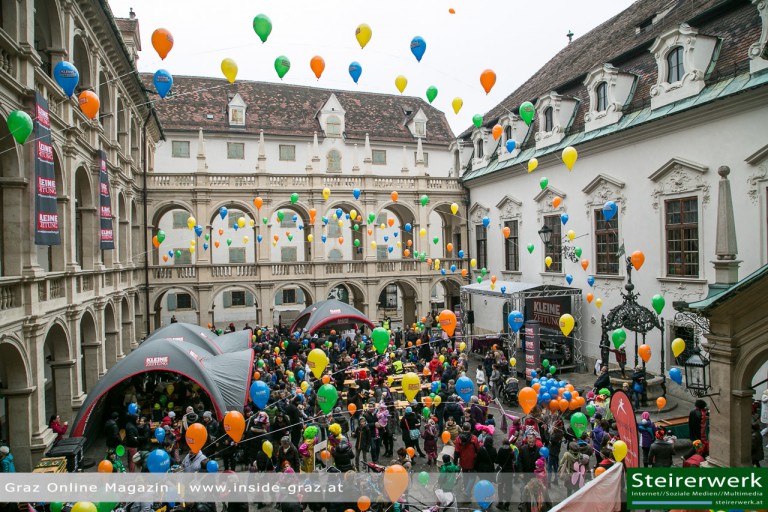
{"points": [[756, 181], [544, 200], [477, 212], [600, 190], [510, 209], [563, 109], [619, 87], [758, 54], [679, 176]]}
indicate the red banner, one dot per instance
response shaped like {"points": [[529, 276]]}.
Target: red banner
{"points": [[621, 407]]}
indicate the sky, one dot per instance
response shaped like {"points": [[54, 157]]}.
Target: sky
{"points": [[514, 38]]}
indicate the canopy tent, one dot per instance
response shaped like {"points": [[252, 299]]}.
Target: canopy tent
{"points": [[329, 314], [225, 378], [203, 338]]}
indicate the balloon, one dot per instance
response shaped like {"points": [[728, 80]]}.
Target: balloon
{"points": [[418, 47], [89, 104], [465, 388], [533, 163], [503, 289], [527, 111], [212, 466], [477, 120], [424, 200], [355, 70], [422, 232], [408, 228], [620, 449], [609, 210], [229, 69], [267, 448], [411, 385], [619, 336], [590, 410], [548, 261], [327, 397], [317, 64], [133, 408], [394, 195], [599, 470], [591, 280], [487, 80], [543, 182], [448, 321], [569, 157], [234, 425], [569, 278], [454, 208], [590, 296], [530, 248], [464, 272], [67, 76], [216, 244], [473, 263], [105, 466], [163, 82], [486, 222], [283, 65], [552, 370], [578, 424], [584, 262], [637, 258], [395, 481], [598, 303], [661, 402], [678, 346], [229, 242], [259, 393], [363, 34], [483, 493], [326, 193], [497, 131], [294, 200], [317, 361], [676, 375], [380, 339], [363, 503], [20, 125], [511, 144], [564, 218], [645, 352], [262, 25], [160, 435], [493, 279], [515, 320], [457, 103], [658, 303], [196, 435], [162, 42], [566, 324], [56, 506], [544, 452], [527, 398]]}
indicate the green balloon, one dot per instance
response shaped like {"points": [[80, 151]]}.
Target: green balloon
{"points": [[290, 238], [552, 370], [356, 227], [426, 412], [291, 379], [477, 120], [578, 424], [229, 242], [530, 248], [280, 215], [178, 254], [545, 363], [207, 237], [527, 111], [479, 279], [20, 125], [435, 240], [105, 506], [619, 336], [577, 251], [264, 221], [590, 410], [327, 397], [371, 217], [294, 198], [120, 450], [658, 303], [431, 93], [262, 25], [424, 200], [260, 363], [282, 65], [380, 339], [543, 182], [423, 256], [424, 478], [357, 242], [161, 236], [56, 506], [483, 271]]}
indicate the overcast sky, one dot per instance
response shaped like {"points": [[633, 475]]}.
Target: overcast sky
{"points": [[512, 37]]}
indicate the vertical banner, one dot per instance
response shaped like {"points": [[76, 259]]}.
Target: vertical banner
{"points": [[532, 348], [547, 311], [46, 209], [621, 408], [107, 239]]}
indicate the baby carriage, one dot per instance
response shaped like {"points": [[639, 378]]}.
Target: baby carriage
{"points": [[509, 392]]}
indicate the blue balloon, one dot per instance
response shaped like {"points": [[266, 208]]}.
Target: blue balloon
{"points": [[300, 374], [355, 70], [339, 212], [461, 254], [386, 238], [346, 216], [535, 380], [259, 394], [483, 493], [569, 278], [223, 212], [486, 222], [323, 238], [163, 82], [591, 280], [442, 271], [67, 76], [236, 227], [465, 388], [170, 254], [408, 227], [418, 47], [364, 337], [676, 375], [564, 218], [534, 373], [390, 248], [546, 397], [205, 246], [394, 234], [133, 408], [259, 238], [295, 218], [544, 452], [325, 219], [553, 391], [301, 226], [511, 145], [453, 269], [198, 230], [160, 435], [567, 395], [542, 389], [356, 193], [609, 210], [435, 386], [212, 466], [503, 290], [158, 461], [515, 320]]}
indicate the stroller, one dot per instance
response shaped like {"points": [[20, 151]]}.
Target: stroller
{"points": [[510, 390]]}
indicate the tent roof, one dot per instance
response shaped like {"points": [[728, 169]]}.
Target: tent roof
{"points": [[327, 312], [188, 333], [513, 287]]}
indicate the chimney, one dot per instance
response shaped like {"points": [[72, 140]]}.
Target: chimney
{"points": [[726, 265]]}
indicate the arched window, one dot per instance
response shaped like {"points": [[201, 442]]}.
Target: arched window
{"points": [[334, 161], [602, 96], [480, 151], [456, 164], [675, 67], [335, 255], [333, 127], [548, 124], [508, 132]]}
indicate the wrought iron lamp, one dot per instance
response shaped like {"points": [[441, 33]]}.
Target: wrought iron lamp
{"points": [[697, 377], [545, 233]]}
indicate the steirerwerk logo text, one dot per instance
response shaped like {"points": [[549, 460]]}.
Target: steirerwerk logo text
{"points": [[697, 488]]}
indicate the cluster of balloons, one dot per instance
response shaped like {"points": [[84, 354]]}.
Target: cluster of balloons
{"points": [[550, 393]]}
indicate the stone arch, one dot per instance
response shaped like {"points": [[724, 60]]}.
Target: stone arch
{"points": [[47, 31], [225, 309], [16, 379], [11, 224], [242, 206], [112, 347], [450, 289], [106, 105], [161, 209], [299, 237], [58, 368], [14, 366], [404, 212], [90, 348], [127, 328], [402, 308], [81, 58], [286, 313], [123, 245], [175, 237], [160, 318], [240, 252], [347, 249], [359, 299], [448, 227], [85, 218]]}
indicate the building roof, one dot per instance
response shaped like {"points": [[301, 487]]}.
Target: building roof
{"points": [[292, 110], [758, 277]]}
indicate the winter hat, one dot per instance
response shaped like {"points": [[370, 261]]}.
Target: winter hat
{"points": [[5, 450], [408, 410], [207, 414], [171, 414], [540, 463], [446, 458], [646, 415]]}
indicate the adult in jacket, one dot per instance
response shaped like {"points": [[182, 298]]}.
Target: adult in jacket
{"points": [[486, 457], [409, 426], [662, 451], [131, 441], [505, 459], [288, 454], [529, 454]]}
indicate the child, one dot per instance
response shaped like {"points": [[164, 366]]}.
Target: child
{"points": [[453, 429], [541, 471], [647, 434], [117, 464], [430, 442]]}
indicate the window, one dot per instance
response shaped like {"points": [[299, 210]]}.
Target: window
{"points": [[183, 301], [288, 254], [482, 246], [180, 220], [180, 149], [688, 335], [607, 244], [508, 132], [334, 231], [287, 153], [182, 257], [388, 297], [238, 298], [237, 254], [555, 247], [235, 150], [675, 68], [289, 296], [511, 247], [426, 158], [379, 157], [682, 227], [479, 151], [237, 116], [421, 128], [456, 163], [602, 97], [333, 127], [382, 252], [232, 217], [288, 222], [334, 161], [548, 122], [335, 255]]}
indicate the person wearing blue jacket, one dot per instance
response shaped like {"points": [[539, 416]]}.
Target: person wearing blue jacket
{"points": [[647, 431]]}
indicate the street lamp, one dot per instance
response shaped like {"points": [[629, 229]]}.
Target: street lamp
{"points": [[697, 378], [546, 234]]}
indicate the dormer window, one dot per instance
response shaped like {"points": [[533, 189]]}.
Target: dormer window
{"points": [[555, 116], [508, 132], [479, 150], [548, 120], [609, 91], [602, 96], [421, 128], [333, 127], [236, 111], [417, 124], [675, 66]]}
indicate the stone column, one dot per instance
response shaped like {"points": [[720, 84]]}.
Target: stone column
{"points": [[740, 445], [91, 362], [722, 357], [127, 333], [62, 378], [19, 407], [113, 350]]}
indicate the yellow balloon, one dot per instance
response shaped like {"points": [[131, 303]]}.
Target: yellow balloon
{"points": [[383, 226], [457, 103], [400, 83], [566, 324], [399, 245], [191, 249], [352, 214], [473, 263], [598, 303], [548, 261], [326, 193], [192, 243], [441, 359], [363, 34], [268, 449], [571, 234], [304, 386], [422, 232], [341, 223], [191, 223], [619, 450], [373, 245], [390, 379], [532, 164], [569, 157], [334, 216], [678, 346], [250, 222], [274, 244], [84, 506], [462, 346], [493, 286], [241, 222], [317, 361], [437, 264], [411, 385], [309, 238], [512, 361], [437, 400], [454, 208], [229, 68], [245, 239]]}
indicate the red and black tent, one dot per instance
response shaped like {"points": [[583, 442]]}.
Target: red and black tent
{"points": [[327, 315]]}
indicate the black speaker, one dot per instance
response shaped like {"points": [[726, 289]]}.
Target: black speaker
{"points": [[470, 317]]}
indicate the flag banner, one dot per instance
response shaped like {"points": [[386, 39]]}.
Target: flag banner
{"points": [[46, 209], [621, 408], [106, 237]]}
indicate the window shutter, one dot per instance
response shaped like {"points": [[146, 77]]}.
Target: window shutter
{"points": [[171, 302], [227, 299], [299, 295], [279, 298], [249, 299]]}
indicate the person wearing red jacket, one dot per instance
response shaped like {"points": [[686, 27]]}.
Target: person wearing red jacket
{"points": [[465, 454], [58, 427]]}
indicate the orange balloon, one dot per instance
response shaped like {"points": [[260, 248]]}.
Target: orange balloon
{"points": [[536, 387], [162, 41], [370, 231], [279, 361], [410, 343], [352, 408], [216, 244], [446, 437], [464, 272], [406, 253], [394, 195], [256, 376], [276, 237], [497, 131], [105, 466], [527, 398], [89, 104], [341, 240], [196, 436], [410, 451], [363, 503], [661, 402], [582, 401], [449, 247], [584, 263], [637, 258], [553, 405], [556, 201], [325, 455], [326, 379], [312, 213], [590, 297], [395, 481], [575, 394], [506, 231], [573, 404], [409, 243], [155, 242], [488, 80], [258, 203], [234, 425], [493, 279], [452, 10], [569, 387], [221, 231], [645, 352], [562, 404], [429, 261], [418, 342], [426, 370], [599, 470], [448, 321], [318, 65], [391, 221], [428, 399]]}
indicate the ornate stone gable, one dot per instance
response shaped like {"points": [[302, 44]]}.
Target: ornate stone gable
{"points": [[510, 209], [477, 212], [544, 200], [601, 189], [679, 176]]}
